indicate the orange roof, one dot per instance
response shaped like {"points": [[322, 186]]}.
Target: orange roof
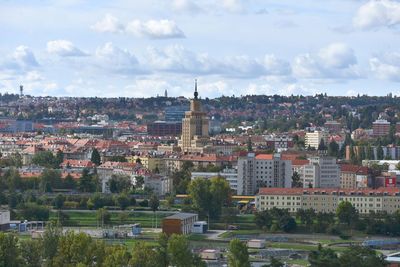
{"points": [[300, 162], [265, 156]]}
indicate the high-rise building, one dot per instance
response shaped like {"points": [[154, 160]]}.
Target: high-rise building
{"points": [[321, 172], [194, 127], [263, 170]]}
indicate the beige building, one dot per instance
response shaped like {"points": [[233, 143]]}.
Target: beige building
{"points": [[327, 200], [154, 164], [313, 139], [194, 127], [353, 176]]}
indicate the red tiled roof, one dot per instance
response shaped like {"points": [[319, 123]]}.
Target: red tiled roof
{"points": [[265, 156], [354, 168]]}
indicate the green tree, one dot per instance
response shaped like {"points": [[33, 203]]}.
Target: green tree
{"points": [[263, 219], [45, 159], [9, 251], [179, 252], [347, 213], [143, 256], [296, 180], [50, 179], [79, 250], [357, 256], [103, 216], [369, 153], [58, 201], [287, 223], [69, 182], [34, 212], [95, 158], [117, 256], [122, 201], [139, 181], [322, 145], [87, 182], [31, 252], [325, 257], [275, 263], [162, 250], [221, 195], [379, 153], [238, 254], [333, 149], [50, 241], [59, 158], [119, 183], [199, 192]]}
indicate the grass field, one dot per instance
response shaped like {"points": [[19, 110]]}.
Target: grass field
{"points": [[88, 219]]}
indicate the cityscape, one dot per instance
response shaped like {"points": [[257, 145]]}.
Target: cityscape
{"points": [[216, 142]]}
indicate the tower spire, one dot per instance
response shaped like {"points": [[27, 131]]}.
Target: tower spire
{"points": [[196, 94]]}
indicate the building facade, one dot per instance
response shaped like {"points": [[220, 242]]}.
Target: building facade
{"points": [[194, 127], [263, 170], [312, 139], [380, 127], [327, 200]]}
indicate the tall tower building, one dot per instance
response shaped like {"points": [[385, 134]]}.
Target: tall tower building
{"points": [[21, 90], [194, 126]]}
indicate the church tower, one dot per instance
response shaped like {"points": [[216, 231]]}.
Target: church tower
{"points": [[194, 126]]}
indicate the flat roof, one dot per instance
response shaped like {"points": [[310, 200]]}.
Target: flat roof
{"points": [[181, 216]]}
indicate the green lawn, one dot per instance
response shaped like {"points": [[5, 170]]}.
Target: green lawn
{"points": [[88, 219]]}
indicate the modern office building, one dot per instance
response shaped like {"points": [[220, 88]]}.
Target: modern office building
{"points": [[163, 128], [176, 113]]}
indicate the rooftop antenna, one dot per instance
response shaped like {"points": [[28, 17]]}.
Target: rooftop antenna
{"points": [[196, 94]]}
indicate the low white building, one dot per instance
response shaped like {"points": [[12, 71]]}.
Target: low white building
{"points": [[160, 184], [230, 175]]}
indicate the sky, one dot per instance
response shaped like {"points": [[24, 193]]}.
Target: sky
{"points": [[140, 48]]}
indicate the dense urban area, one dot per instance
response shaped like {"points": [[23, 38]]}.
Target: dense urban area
{"points": [[238, 181]]}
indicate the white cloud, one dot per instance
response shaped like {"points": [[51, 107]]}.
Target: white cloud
{"points": [[337, 61], [234, 6], [24, 56], [337, 55], [180, 60], [185, 6], [386, 67], [33, 76], [108, 24], [155, 29], [64, 48], [377, 13], [115, 59]]}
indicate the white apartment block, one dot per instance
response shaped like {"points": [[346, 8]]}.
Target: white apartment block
{"points": [[313, 139], [328, 199], [264, 170]]}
